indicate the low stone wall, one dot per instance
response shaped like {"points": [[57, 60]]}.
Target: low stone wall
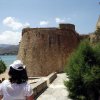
{"points": [[41, 85], [51, 78]]}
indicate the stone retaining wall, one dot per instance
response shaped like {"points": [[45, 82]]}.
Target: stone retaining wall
{"points": [[41, 85]]}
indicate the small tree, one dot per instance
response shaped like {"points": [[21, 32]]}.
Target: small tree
{"points": [[83, 71], [2, 66]]}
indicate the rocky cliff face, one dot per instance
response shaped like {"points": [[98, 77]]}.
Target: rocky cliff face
{"points": [[45, 50]]}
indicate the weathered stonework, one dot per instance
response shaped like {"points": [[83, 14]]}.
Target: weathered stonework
{"points": [[98, 23], [45, 50], [94, 38]]}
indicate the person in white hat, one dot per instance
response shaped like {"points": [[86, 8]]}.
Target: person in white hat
{"points": [[16, 88]]}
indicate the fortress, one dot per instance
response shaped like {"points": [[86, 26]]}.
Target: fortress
{"points": [[94, 38], [46, 50]]}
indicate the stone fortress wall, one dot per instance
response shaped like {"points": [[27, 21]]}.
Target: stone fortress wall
{"points": [[45, 50]]}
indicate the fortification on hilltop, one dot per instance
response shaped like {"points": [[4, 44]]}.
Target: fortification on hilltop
{"points": [[45, 50], [98, 23], [94, 38]]}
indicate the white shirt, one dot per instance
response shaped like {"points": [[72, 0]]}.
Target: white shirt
{"points": [[15, 91]]}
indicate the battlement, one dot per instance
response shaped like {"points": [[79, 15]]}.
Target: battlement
{"points": [[67, 26], [62, 26]]}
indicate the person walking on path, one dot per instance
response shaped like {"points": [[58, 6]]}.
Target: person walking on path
{"points": [[16, 88]]}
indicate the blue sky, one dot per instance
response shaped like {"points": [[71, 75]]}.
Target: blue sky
{"points": [[17, 14]]}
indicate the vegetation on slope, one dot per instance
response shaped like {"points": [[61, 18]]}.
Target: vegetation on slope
{"points": [[8, 49], [2, 66]]}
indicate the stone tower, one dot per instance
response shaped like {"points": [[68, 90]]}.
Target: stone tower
{"points": [[94, 38], [98, 23], [45, 50]]}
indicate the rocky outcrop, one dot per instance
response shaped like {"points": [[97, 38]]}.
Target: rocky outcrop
{"points": [[45, 50]]}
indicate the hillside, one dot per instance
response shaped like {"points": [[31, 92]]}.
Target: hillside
{"points": [[6, 49]]}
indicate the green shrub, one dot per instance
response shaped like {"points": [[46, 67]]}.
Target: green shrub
{"points": [[83, 71], [2, 66]]}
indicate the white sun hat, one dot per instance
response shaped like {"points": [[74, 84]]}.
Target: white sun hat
{"points": [[17, 65]]}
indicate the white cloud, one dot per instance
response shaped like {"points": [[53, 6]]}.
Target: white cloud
{"points": [[44, 23], [26, 25], [58, 20], [14, 24], [10, 37]]}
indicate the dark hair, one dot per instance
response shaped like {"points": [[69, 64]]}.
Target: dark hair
{"points": [[17, 76]]}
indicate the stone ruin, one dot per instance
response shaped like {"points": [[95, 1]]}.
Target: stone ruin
{"points": [[46, 50], [94, 38]]}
